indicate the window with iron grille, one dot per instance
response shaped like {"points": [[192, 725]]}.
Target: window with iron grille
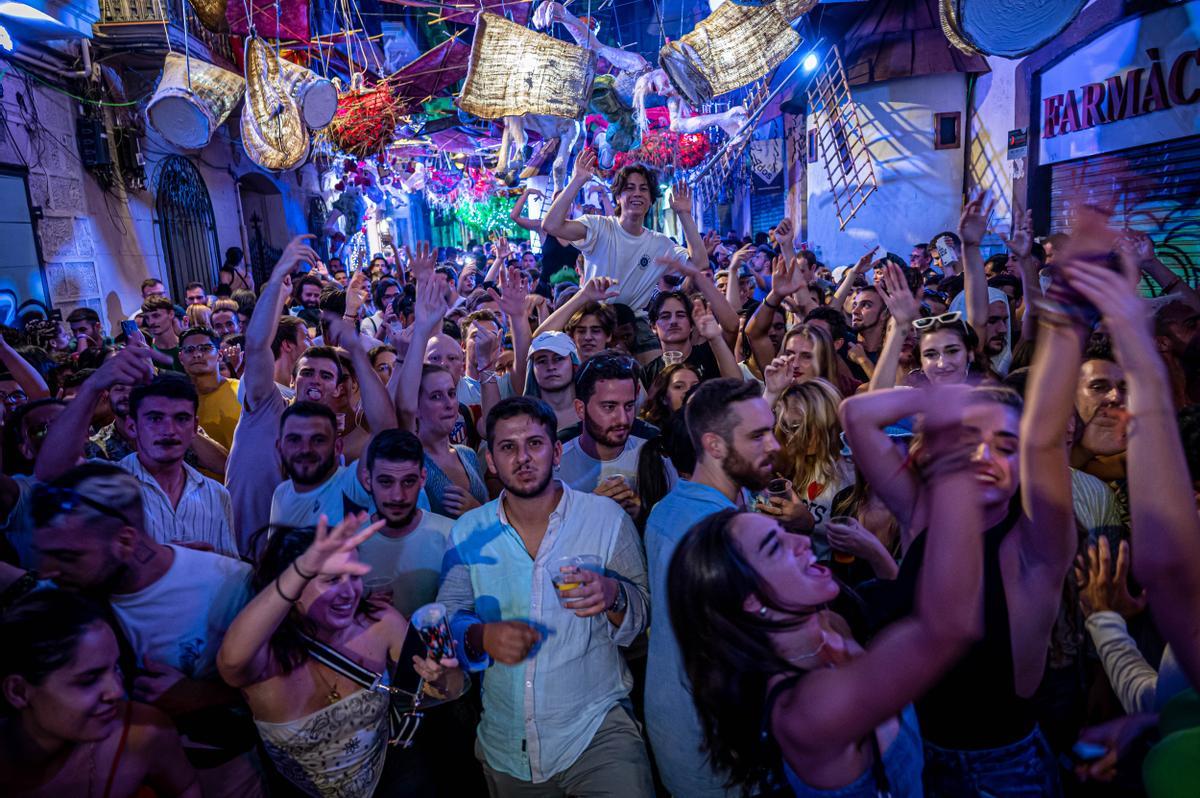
{"points": [[186, 225]]}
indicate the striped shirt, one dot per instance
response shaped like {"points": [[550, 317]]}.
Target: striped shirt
{"points": [[204, 513]]}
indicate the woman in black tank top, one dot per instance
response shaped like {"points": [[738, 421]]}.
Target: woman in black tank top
{"points": [[978, 725]]}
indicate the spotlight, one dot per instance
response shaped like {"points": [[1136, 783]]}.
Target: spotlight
{"points": [[6, 42], [810, 62]]}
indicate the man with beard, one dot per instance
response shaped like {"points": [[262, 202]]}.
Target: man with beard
{"points": [[85, 326], [181, 504], [604, 458], [554, 702], [254, 469], [309, 448], [173, 605], [731, 427], [410, 547], [306, 299], [1177, 333], [1100, 397], [869, 322]]}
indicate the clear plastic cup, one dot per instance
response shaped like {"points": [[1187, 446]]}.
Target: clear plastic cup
{"points": [[672, 357], [564, 573], [845, 558]]}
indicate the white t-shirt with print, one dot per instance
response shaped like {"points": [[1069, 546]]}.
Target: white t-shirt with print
{"points": [[609, 251], [181, 619], [413, 562]]}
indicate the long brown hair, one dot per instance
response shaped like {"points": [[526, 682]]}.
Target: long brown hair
{"points": [[656, 409], [822, 348], [811, 449]]}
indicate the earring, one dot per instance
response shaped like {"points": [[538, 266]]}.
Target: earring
{"points": [[762, 611]]}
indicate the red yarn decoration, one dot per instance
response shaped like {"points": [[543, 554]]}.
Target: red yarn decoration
{"points": [[366, 120]]}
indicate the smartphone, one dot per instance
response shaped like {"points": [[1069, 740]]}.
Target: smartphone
{"points": [[130, 328], [1088, 752]]}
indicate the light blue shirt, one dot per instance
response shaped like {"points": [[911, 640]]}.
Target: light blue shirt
{"points": [[671, 718], [540, 715]]}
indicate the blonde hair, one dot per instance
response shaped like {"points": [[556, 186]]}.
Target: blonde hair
{"points": [[822, 347], [811, 449], [198, 316]]}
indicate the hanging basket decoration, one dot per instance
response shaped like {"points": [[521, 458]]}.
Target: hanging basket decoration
{"points": [[192, 100], [514, 70], [273, 132], [366, 120]]}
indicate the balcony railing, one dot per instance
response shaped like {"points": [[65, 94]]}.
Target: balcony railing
{"points": [[147, 24]]}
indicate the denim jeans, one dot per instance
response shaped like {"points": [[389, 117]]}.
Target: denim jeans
{"points": [[1025, 769]]}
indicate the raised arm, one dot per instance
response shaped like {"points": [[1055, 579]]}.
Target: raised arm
{"points": [[68, 434], [883, 464], [428, 313], [846, 286], [512, 302], [377, 404], [971, 227], [23, 372], [1140, 247], [515, 214], [785, 280], [259, 372], [597, 289], [710, 330], [1165, 526], [555, 222], [726, 316], [245, 653], [1020, 244], [832, 707], [903, 309]]}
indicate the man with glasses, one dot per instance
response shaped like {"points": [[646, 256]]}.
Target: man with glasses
{"points": [[219, 410], [172, 603]]}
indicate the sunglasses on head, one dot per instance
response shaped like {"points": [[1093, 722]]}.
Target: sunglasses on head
{"points": [[622, 362], [49, 502], [933, 322]]}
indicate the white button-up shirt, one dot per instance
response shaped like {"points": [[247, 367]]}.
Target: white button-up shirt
{"points": [[204, 513]]}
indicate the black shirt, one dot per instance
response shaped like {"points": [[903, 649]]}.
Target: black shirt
{"points": [[701, 359]]}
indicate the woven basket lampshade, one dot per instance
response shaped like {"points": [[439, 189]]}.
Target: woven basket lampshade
{"points": [[514, 70], [211, 13], [732, 47], [192, 100], [273, 133]]}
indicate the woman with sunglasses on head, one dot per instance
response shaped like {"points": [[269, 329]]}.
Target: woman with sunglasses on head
{"points": [[979, 722], [66, 727], [777, 678], [324, 732]]}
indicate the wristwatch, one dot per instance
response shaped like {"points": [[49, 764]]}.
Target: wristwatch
{"points": [[620, 602]]}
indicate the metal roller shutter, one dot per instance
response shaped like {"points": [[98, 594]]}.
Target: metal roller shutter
{"points": [[1153, 189]]}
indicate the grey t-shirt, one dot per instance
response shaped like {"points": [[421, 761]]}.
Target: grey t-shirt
{"points": [[413, 561]]}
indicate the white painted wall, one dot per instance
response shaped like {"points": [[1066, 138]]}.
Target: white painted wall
{"points": [[920, 188], [993, 116], [97, 247]]}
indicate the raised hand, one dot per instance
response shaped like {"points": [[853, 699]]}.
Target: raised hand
{"points": [[779, 373], [357, 292], [513, 293], [786, 278], [1020, 238], [1104, 585], [973, 223], [742, 255], [899, 300], [431, 306], [296, 252], [339, 332], [500, 248], [784, 234], [421, 261], [600, 289], [681, 199], [332, 551], [673, 265], [707, 324], [866, 260], [585, 167], [130, 366]]}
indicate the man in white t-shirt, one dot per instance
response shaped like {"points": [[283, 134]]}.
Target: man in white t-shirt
{"points": [[604, 458], [173, 605], [410, 547], [620, 246]]}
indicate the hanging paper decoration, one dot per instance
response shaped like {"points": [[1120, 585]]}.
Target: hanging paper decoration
{"points": [[192, 100], [211, 13], [273, 134], [316, 96], [292, 16], [366, 119]]}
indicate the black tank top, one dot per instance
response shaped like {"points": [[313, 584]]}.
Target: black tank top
{"points": [[975, 705], [555, 257]]}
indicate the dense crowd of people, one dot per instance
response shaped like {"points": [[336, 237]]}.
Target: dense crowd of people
{"points": [[613, 515]]}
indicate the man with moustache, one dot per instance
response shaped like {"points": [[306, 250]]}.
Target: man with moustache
{"points": [[172, 603], [731, 427], [1100, 402], [181, 504], [869, 322], [554, 720], [410, 547], [604, 458]]}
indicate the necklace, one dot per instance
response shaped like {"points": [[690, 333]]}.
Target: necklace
{"points": [[333, 696]]}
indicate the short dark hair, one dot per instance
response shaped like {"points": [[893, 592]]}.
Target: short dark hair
{"points": [[831, 316], [233, 256], [333, 299], [953, 236], [708, 409], [288, 331], [190, 286], [515, 406], [308, 279], [464, 325], [395, 446], [166, 386], [656, 304], [622, 178], [245, 299], [1007, 280], [157, 302], [305, 409], [326, 353], [1099, 349], [205, 331], [43, 631], [607, 365], [150, 282], [376, 351], [83, 314]]}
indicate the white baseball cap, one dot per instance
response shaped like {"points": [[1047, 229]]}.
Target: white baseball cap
{"points": [[555, 341]]}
